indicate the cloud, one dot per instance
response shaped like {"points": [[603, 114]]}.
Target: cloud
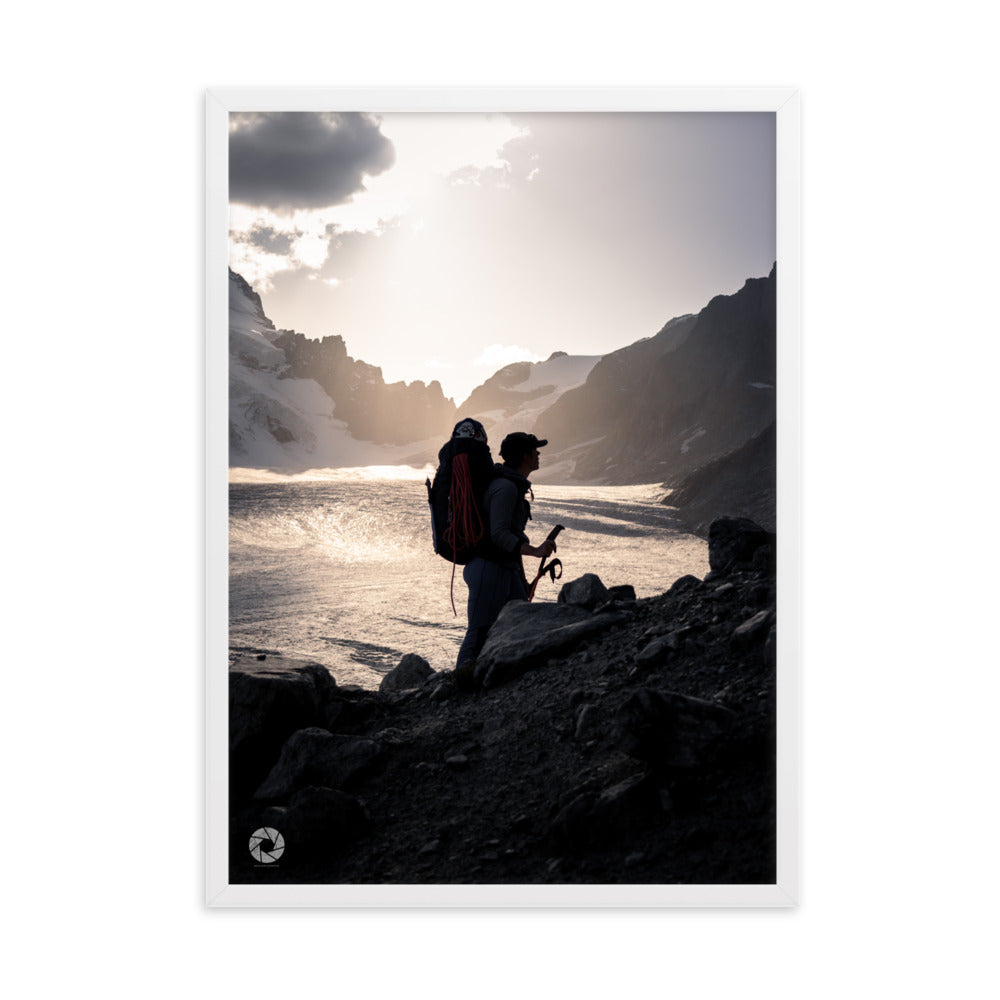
{"points": [[256, 266], [450, 144], [311, 193], [499, 356], [270, 240], [263, 244], [294, 159], [471, 174], [288, 170]]}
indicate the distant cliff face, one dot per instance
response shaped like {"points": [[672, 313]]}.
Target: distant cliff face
{"points": [[655, 411], [296, 403], [397, 413], [500, 392]]}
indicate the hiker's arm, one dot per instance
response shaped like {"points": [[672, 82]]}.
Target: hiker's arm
{"points": [[541, 552], [503, 501]]}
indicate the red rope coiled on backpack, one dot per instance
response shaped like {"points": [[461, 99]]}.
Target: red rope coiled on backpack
{"points": [[465, 526]]}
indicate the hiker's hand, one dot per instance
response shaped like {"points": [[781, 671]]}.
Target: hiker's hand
{"points": [[543, 551]]}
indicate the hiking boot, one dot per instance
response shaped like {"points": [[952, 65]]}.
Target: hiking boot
{"points": [[463, 675]]}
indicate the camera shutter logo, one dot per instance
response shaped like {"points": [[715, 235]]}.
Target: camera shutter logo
{"points": [[267, 845]]}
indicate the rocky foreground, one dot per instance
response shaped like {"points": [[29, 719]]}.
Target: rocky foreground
{"points": [[600, 739]]}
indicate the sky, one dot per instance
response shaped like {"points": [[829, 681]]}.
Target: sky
{"points": [[444, 246]]}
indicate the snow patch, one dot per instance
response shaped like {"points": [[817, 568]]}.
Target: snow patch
{"points": [[286, 425], [686, 446]]}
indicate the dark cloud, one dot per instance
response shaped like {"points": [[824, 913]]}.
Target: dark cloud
{"points": [[270, 240], [297, 159]]}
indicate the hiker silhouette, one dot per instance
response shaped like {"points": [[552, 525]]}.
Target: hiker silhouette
{"points": [[496, 574]]}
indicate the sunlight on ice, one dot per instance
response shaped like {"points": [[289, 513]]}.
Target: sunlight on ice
{"points": [[367, 473], [324, 564]]}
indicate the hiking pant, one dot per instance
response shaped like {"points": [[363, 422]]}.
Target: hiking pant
{"points": [[491, 586]]}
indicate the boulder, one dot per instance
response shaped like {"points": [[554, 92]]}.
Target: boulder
{"points": [[672, 732], [735, 540], [527, 635], [623, 592], [411, 672], [658, 651], [589, 724], [316, 757], [684, 584], [319, 821], [268, 701], [654, 653], [608, 816], [751, 631], [585, 592], [443, 689]]}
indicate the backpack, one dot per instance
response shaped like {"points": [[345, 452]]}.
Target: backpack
{"points": [[465, 469]]}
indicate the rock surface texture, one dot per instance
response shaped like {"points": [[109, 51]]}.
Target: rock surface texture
{"points": [[632, 742]]}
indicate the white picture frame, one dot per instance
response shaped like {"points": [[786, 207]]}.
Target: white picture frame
{"points": [[784, 102]]}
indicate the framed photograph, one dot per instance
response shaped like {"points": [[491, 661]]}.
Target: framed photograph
{"points": [[502, 497]]}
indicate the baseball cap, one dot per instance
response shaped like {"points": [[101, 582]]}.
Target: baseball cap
{"points": [[515, 445]]}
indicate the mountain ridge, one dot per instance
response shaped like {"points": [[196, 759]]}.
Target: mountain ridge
{"points": [[666, 405], [654, 411]]}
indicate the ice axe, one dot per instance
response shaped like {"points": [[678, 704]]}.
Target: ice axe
{"points": [[549, 566]]}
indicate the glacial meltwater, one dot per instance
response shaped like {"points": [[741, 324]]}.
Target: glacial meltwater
{"points": [[342, 571]]}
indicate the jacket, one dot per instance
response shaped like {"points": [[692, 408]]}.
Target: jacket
{"points": [[507, 514]]}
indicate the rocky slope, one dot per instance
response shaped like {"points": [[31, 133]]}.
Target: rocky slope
{"points": [[598, 740], [742, 483]]}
